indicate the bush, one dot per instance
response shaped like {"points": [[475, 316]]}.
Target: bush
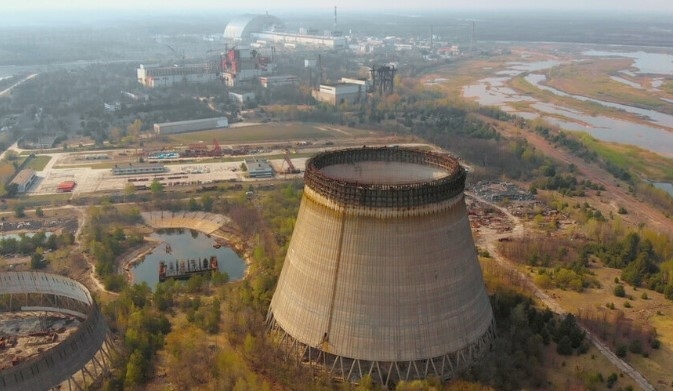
{"points": [[627, 304], [655, 344], [644, 296], [611, 380], [619, 291], [564, 346], [636, 346], [621, 351]]}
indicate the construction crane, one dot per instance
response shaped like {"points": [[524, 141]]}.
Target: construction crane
{"points": [[291, 169]]}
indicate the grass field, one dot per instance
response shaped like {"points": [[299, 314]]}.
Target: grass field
{"points": [[270, 132], [6, 170], [643, 163], [655, 311], [592, 78], [523, 86], [37, 163]]}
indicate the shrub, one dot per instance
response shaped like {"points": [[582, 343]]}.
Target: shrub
{"points": [[621, 351], [636, 346], [655, 344], [619, 290]]}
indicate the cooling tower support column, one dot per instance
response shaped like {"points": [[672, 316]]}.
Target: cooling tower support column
{"points": [[381, 276]]}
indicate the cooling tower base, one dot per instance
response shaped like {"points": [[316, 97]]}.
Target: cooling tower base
{"points": [[348, 369]]}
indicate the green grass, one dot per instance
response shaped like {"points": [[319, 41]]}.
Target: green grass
{"points": [[591, 108], [38, 163], [281, 132], [644, 163]]}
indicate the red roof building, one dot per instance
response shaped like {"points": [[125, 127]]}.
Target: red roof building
{"points": [[66, 187]]}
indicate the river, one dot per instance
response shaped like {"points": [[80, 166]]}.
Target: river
{"points": [[656, 134]]}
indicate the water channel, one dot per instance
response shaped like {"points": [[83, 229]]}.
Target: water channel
{"points": [[652, 135], [185, 244]]}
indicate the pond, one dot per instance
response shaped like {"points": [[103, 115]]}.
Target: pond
{"points": [[185, 244]]}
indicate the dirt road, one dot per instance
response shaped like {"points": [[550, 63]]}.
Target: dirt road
{"points": [[489, 240], [618, 195], [7, 90]]}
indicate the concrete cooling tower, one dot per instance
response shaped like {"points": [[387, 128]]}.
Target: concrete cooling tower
{"points": [[381, 276]]}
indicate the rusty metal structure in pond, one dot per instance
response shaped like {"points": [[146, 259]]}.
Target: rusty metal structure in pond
{"points": [[79, 359], [381, 276], [185, 269]]}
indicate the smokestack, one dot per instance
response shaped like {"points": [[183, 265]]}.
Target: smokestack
{"points": [[335, 19]]}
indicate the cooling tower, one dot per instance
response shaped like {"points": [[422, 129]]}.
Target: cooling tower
{"points": [[381, 275]]}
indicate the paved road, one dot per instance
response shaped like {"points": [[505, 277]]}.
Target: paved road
{"points": [[490, 241]]}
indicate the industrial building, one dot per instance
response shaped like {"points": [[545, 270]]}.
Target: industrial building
{"points": [[169, 76], [338, 93], [241, 97], [66, 186], [259, 168], [24, 179], [381, 276], [278, 81], [316, 41], [138, 169], [191, 125], [243, 64], [268, 29]]}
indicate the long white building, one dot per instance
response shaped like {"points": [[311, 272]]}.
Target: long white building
{"points": [[168, 76]]}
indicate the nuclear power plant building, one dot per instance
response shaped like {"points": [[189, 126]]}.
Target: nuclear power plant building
{"points": [[381, 275]]}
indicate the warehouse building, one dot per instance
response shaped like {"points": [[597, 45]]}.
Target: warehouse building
{"points": [[241, 97], [191, 125], [278, 81], [24, 179], [259, 168], [168, 76], [138, 169], [338, 93]]}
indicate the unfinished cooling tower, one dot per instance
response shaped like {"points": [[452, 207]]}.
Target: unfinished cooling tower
{"points": [[381, 276]]}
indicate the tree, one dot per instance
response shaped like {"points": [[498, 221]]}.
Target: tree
{"points": [[20, 211], [37, 260], [39, 212], [564, 346], [156, 188], [12, 190], [134, 129], [129, 190]]}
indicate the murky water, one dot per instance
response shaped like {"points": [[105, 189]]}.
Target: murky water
{"points": [[650, 115], [667, 187], [627, 82], [645, 63], [493, 91], [186, 244]]}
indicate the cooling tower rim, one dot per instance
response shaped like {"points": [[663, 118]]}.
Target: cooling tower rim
{"points": [[397, 195]]}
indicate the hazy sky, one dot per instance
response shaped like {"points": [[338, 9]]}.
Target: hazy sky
{"points": [[345, 5]]}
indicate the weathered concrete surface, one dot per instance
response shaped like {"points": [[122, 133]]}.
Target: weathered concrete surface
{"points": [[199, 221]]}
